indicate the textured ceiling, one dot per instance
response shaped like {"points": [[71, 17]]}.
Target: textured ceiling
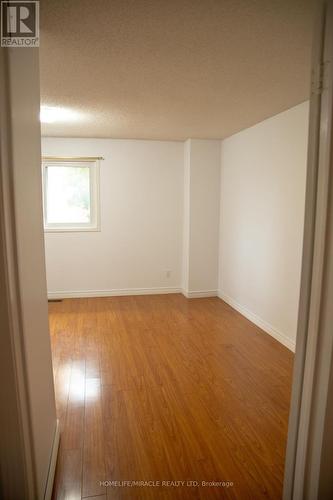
{"points": [[173, 69]]}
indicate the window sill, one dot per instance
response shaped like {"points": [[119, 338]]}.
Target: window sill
{"points": [[71, 229]]}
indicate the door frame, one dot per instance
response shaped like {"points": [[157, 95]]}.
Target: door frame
{"points": [[314, 343]]}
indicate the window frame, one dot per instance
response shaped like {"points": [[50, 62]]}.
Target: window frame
{"points": [[94, 183]]}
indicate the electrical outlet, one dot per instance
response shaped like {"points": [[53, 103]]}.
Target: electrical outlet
{"points": [[168, 273]]}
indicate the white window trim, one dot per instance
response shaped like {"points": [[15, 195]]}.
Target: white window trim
{"points": [[92, 226]]}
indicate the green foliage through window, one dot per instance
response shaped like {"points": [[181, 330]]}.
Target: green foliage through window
{"points": [[68, 194]]}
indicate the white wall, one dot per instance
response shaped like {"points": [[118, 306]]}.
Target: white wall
{"points": [[141, 235], [201, 217], [263, 176], [186, 218]]}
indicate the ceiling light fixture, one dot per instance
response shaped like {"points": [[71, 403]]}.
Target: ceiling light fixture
{"points": [[52, 114]]}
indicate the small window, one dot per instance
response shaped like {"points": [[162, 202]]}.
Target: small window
{"points": [[70, 195]]}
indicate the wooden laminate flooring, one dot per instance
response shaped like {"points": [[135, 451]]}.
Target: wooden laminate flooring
{"points": [[163, 388]]}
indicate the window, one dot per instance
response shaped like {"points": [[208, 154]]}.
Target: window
{"points": [[70, 194]]}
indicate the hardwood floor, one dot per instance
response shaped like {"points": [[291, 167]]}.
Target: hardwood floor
{"points": [[162, 388]]}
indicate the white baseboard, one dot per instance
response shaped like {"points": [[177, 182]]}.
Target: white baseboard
{"points": [[53, 463], [189, 294], [199, 293], [258, 321], [78, 294]]}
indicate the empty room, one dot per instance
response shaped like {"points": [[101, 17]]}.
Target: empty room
{"points": [[165, 193]]}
